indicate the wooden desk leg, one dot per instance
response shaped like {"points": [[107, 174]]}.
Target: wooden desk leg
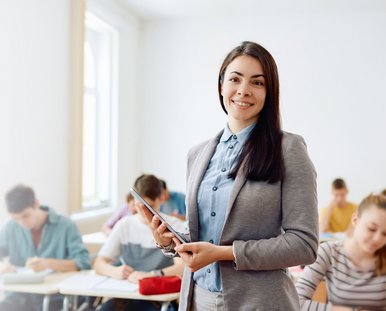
{"points": [[46, 302], [66, 303], [165, 305]]}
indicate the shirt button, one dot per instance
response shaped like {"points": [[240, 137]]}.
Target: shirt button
{"points": [[234, 137], [223, 169], [230, 147], [213, 214], [211, 241], [214, 188], [208, 270]]}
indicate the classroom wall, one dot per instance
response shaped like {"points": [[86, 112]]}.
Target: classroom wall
{"points": [[331, 65], [36, 97]]}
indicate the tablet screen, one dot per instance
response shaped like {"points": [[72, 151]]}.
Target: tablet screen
{"points": [[154, 212]]}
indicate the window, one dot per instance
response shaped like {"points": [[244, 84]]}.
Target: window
{"points": [[99, 114]]}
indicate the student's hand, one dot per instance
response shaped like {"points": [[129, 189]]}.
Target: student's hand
{"points": [[38, 264], [341, 308], [6, 267], [200, 254], [135, 276], [122, 272], [160, 232]]}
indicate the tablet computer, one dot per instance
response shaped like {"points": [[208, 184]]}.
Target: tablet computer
{"points": [[155, 213]]}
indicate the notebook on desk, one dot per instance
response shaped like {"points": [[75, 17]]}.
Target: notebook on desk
{"points": [[24, 276]]}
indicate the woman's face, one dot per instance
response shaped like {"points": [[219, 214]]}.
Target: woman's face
{"points": [[370, 229], [243, 90]]}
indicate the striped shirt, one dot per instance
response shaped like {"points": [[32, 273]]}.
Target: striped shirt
{"points": [[346, 284]]}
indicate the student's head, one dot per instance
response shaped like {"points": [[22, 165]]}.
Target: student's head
{"points": [[339, 191], [165, 192], [149, 187], [22, 206], [248, 88], [383, 192], [369, 224]]}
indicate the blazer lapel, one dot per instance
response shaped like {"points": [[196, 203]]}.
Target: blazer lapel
{"points": [[238, 184], [198, 171]]}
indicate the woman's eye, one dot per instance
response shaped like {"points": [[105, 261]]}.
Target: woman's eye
{"points": [[371, 229], [258, 83], [233, 79]]}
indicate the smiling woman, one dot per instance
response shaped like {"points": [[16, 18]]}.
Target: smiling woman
{"points": [[251, 198]]}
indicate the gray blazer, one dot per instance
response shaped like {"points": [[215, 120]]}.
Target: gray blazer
{"points": [[271, 227]]}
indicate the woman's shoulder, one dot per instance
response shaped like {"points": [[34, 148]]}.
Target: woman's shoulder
{"points": [[202, 145], [291, 139]]}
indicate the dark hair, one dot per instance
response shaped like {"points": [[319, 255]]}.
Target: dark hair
{"points": [[262, 153], [19, 198], [380, 202], [339, 184], [148, 186], [163, 184], [383, 192]]}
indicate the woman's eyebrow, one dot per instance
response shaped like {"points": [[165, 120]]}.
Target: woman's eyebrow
{"points": [[254, 76]]}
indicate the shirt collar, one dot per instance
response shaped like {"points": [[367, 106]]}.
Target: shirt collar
{"points": [[52, 216], [241, 136]]}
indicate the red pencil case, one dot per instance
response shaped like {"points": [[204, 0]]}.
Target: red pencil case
{"points": [[157, 285]]}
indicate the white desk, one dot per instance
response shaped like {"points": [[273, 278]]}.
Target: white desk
{"points": [[47, 288], [88, 290]]}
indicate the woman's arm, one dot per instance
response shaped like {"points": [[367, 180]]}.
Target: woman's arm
{"points": [[299, 218]]}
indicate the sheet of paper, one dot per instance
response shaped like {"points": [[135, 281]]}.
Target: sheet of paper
{"points": [[111, 284], [81, 282]]}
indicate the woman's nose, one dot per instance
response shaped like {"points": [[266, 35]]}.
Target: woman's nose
{"points": [[244, 90]]}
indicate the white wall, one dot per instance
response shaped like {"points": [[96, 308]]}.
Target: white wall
{"points": [[34, 97], [332, 71]]}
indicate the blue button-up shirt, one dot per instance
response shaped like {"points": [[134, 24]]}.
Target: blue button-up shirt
{"points": [[213, 198], [60, 239]]}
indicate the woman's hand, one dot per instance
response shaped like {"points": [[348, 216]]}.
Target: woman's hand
{"points": [[160, 232], [197, 255]]}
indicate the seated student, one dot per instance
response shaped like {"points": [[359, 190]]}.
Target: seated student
{"points": [[354, 269], [173, 203], [336, 216], [127, 209], [41, 239], [131, 242]]}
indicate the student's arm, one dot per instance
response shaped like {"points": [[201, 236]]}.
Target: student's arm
{"points": [[176, 269], [325, 216], [311, 277], [5, 265], [103, 265], [62, 265], [77, 251]]}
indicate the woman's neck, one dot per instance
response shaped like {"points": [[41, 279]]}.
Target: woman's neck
{"points": [[360, 258], [237, 126]]}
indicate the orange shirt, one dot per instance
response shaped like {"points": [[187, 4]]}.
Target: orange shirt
{"points": [[340, 217]]}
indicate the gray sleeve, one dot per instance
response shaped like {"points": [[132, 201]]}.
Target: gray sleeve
{"points": [[299, 242]]}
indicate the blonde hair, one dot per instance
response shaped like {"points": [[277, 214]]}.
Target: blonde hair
{"points": [[380, 202]]}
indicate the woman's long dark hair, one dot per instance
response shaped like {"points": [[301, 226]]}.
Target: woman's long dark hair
{"points": [[261, 156]]}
